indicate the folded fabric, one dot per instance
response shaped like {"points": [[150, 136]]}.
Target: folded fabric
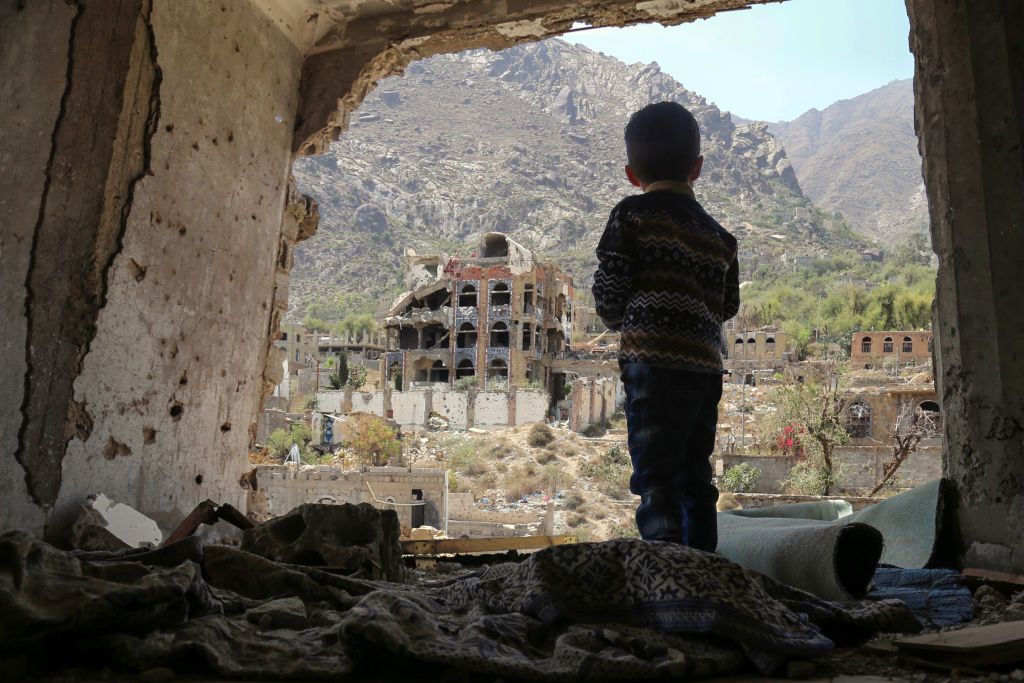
{"points": [[827, 549]]}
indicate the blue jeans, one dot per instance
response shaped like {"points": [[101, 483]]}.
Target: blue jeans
{"points": [[671, 416]]}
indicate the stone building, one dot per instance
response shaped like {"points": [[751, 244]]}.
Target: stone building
{"points": [[499, 316], [419, 495], [749, 354], [875, 350], [299, 345]]}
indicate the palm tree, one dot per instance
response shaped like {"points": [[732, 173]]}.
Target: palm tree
{"points": [[364, 325], [345, 328]]}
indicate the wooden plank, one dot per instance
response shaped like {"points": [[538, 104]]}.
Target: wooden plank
{"points": [[991, 645], [458, 546], [1008, 583]]}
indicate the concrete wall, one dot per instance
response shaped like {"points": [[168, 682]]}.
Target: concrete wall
{"points": [[592, 401], [283, 487], [861, 468], [490, 409], [969, 116], [138, 323], [454, 407], [411, 409], [531, 407]]}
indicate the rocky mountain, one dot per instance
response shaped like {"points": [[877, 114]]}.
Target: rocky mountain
{"points": [[527, 141], [859, 156]]}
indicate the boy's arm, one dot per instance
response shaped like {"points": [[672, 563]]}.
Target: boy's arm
{"points": [[732, 290], [614, 276]]}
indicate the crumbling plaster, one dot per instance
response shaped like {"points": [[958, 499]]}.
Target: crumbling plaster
{"points": [[969, 91]]}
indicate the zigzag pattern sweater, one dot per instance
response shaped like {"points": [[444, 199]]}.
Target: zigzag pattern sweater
{"points": [[667, 277]]}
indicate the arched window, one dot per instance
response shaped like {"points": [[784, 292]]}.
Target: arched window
{"points": [[466, 336], [738, 348], [465, 369], [769, 346], [858, 420], [467, 296], [500, 295], [499, 335], [865, 345], [395, 373], [887, 345], [928, 416], [908, 345], [528, 299], [498, 369], [438, 372]]}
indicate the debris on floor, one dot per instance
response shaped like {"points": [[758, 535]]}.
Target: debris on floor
{"points": [[103, 524], [613, 610], [976, 647]]}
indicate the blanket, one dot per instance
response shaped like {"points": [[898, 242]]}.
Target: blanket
{"points": [[587, 612], [827, 549]]}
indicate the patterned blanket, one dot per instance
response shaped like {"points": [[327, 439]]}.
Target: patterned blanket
{"points": [[588, 612]]}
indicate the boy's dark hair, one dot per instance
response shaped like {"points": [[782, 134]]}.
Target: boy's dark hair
{"points": [[662, 142]]}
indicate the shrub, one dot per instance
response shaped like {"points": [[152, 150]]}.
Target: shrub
{"points": [[521, 485], [545, 456], [465, 383], [596, 429], [610, 471], [553, 476], [628, 531], [740, 478], [356, 376], [375, 442], [574, 521], [501, 467], [280, 441], [475, 467], [540, 435], [500, 450], [574, 501]]}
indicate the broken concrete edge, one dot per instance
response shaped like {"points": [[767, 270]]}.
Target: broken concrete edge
{"points": [[360, 53]]}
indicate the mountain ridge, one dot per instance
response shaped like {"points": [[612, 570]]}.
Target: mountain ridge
{"points": [[525, 141]]}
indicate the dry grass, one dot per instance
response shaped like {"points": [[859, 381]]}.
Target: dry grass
{"points": [[574, 521], [540, 435], [546, 456]]}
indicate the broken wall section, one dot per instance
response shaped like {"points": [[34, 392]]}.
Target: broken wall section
{"points": [[140, 310]]}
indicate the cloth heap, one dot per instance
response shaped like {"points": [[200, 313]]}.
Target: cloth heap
{"points": [[592, 611]]}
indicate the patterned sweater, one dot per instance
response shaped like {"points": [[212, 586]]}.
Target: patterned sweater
{"points": [[667, 278]]}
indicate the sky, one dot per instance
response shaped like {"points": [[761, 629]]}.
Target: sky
{"points": [[774, 62]]}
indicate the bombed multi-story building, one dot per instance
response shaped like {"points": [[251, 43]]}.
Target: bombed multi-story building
{"points": [[498, 316]]}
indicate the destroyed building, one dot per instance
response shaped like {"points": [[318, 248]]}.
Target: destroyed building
{"points": [[877, 350], [499, 316]]}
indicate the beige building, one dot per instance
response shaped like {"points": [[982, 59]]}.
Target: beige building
{"points": [[299, 345], [875, 350], [498, 315]]}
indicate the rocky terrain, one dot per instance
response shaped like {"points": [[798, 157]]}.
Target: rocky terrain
{"points": [[526, 141], [859, 157]]}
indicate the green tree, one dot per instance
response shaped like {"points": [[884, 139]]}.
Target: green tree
{"points": [[280, 440], [740, 478], [816, 408], [375, 442], [356, 376]]}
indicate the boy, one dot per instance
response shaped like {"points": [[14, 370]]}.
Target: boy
{"points": [[667, 278]]}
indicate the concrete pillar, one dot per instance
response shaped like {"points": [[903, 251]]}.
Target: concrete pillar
{"points": [[145, 151], [969, 87]]}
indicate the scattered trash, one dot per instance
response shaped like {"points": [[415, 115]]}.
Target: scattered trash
{"points": [[106, 525]]}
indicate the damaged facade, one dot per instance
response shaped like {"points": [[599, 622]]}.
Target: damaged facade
{"points": [[877, 350], [498, 316]]}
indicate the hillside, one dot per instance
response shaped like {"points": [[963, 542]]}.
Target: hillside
{"points": [[859, 157], [526, 141]]}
